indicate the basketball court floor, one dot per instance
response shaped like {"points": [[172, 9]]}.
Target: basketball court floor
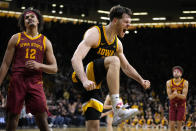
{"points": [[101, 129]]}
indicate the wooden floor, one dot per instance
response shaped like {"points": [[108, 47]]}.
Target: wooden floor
{"points": [[101, 129]]}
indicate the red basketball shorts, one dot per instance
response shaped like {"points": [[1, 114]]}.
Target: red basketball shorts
{"points": [[28, 91], [177, 112]]}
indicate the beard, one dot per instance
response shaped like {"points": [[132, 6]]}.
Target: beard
{"points": [[31, 25], [176, 77]]}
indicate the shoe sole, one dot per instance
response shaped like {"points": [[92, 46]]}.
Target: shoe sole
{"points": [[125, 118]]}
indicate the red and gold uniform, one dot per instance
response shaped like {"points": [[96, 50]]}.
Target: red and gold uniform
{"points": [[26, 85], [177, 106]]}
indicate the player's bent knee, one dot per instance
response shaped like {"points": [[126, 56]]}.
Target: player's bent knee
{"points": [[112, 60]]}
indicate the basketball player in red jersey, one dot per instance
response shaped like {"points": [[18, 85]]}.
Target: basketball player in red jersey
{"points": [[26, 50], [177, 89], [106, 56]]}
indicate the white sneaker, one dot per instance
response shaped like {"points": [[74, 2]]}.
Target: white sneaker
{"points": [[122, 114]]}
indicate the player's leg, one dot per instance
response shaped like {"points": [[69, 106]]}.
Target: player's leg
{"points": [[92, 119], [92, 125], [109, 120], [12, 121], [15, 101], [92, 100], [179, 125], [112, 65], [36, 102], [172, 125], [42, 122], [172, 117], [180, 116]]}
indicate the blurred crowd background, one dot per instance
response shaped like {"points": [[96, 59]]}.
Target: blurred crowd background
{"points": [[152, 51]]}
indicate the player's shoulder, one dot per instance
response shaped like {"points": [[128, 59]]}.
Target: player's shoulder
{"points": [[46, 39], [92, 36], [185, 81], [93, 30], [169, 81], [16, 36]]}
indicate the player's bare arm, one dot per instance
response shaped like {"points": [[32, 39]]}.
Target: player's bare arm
{"points": [[50, 67], [184, 91], [8, 57], [107, 104], [91, 39], [169, 91], [128, 69]]}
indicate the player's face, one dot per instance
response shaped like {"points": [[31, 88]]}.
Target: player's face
{"points": [[177, 73], [31, 20], [123, 25]]}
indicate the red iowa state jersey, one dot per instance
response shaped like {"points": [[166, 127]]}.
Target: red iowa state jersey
{"points": [[28, 48], [179, 87]]}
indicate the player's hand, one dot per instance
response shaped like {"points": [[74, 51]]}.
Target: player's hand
{"points": [[89, 85], [175, 93], [145, 84], [31, 64]]}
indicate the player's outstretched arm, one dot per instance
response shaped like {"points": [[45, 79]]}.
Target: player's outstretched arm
{"points": [[8, 57], [91, 39], [128, 69], [50, 67]]}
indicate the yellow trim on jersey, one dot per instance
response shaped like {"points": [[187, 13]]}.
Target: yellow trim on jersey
{"points": [[183, 83], [171, 83], [31, 38], [178, 83], [99, 37], [94, 104], [19, 37], [104, 32], [44, 43], [116, 43], [74, 77]]}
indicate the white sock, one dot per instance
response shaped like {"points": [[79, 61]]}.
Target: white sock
{"points": [[115, 99]]}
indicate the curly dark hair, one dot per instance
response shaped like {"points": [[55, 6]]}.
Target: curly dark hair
{"points": [[117, 12], [39, 16]]}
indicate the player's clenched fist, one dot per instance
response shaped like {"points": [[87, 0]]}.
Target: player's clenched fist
{"points": [[146, 84], [89, 85]]}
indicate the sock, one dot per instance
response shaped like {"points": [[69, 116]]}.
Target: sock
{"points": [[116, 102]]}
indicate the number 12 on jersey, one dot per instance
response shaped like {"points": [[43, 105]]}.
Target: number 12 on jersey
{"points": [[30, 53]]}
